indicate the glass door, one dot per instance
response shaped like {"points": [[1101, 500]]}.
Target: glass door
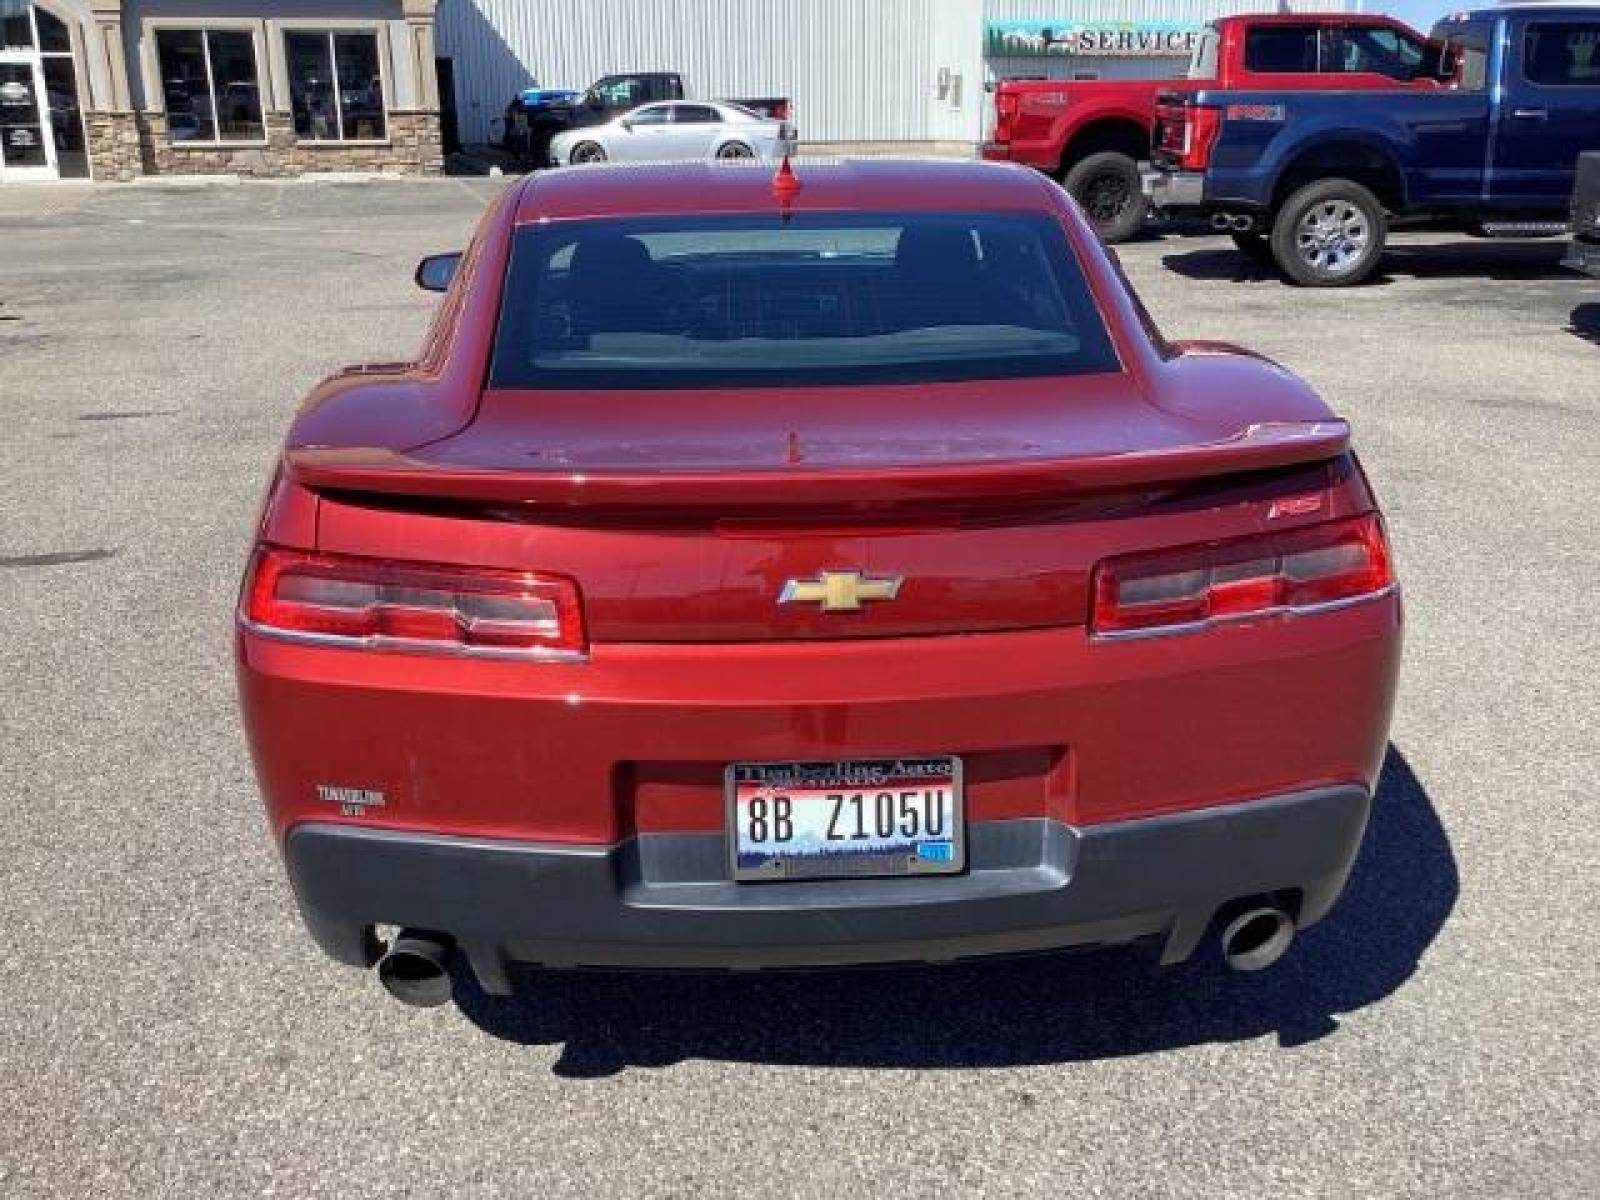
{"points": [[27, 151]]}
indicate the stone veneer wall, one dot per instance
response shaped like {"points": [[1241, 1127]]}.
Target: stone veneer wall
{"points": [[113, 146], [414, 147]]}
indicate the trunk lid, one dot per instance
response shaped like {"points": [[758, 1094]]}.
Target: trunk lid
{"points": [[824, 448], [945, 508]]}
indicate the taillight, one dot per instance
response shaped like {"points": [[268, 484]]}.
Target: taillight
{"points": [[1200, 128], [1006, 107], [421, 607], [1298, 570]]}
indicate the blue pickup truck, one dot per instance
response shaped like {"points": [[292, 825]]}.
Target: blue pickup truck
{"points": [[1314, 180]]}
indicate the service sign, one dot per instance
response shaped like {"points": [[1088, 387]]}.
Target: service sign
{"points": [[1097, 39]]}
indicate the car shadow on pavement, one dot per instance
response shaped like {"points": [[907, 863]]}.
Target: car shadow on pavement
{"points": [[1585, 323], [1516, 261], [1010, 1012]]}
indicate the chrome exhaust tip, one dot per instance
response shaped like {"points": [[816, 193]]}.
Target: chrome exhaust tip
{"points": [[1257, 937], [1221, 221], [415, 969]]}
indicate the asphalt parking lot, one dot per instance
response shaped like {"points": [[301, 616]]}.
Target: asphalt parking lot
{"points": [[169, 1029]]}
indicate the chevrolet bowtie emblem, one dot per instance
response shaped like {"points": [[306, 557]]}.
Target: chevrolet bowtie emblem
{"points": [[840, 591]]}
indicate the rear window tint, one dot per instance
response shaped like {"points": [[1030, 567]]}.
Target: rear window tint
{"points": [[825, 298], [1281, 50], [1562, 55]]}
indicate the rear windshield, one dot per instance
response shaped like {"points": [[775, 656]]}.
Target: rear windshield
{"points": [[824, 298]]}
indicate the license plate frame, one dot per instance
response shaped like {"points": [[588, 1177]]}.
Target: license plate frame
{"points": [[897, 855]]}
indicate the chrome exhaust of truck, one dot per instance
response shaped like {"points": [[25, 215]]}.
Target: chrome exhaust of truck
{"points": [[1221, 221], [415, 969], [1257, 937]]}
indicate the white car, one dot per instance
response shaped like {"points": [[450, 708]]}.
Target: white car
{"points": [[678, 129]]}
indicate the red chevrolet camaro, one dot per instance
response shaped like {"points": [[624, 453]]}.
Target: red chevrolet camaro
{"points": [[810, 569]]}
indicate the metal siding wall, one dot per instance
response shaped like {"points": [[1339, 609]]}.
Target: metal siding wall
{"points": [[857, 70]]}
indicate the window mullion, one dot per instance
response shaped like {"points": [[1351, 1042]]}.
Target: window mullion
{"points": [[211, 85], [338, 97]]}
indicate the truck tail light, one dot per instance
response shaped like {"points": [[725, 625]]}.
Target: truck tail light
{"points": [[422, 607], [1201, 125], [1006, 107], [1190, 587]]}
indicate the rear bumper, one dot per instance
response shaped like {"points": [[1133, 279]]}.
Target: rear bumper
{"points": [[664, 900], [1172, 190]]}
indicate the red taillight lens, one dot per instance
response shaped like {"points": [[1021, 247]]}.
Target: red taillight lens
{"points": [[1200, 128], [1191, 586], [1006, 107], [425, 607]]}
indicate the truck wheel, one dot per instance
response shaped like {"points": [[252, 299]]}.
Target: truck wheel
{"points": [[587, 152], [1108, 188], [1329, 234]]}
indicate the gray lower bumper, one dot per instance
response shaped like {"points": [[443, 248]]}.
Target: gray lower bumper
{"points": [[664, 900], [1174, 189], [1583, 256]]}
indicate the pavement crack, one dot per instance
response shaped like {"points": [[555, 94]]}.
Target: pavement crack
{"points": [[134, 414], [59, 558]]}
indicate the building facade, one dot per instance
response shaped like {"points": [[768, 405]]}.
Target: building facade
{"points": [[114, 89], [903, 73]]}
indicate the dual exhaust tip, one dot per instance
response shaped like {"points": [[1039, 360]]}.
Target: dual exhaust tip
{"points": [[1232, 221], [415, 969]]}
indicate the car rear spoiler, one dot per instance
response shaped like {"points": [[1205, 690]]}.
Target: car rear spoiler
{"points": [[1257, 447]]}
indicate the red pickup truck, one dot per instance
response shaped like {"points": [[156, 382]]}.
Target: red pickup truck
{"points": [[1092, 135]]}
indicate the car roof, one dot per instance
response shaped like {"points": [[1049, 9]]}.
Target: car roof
{"points": [[840, 185], [1539, 8], [1307, 18]]}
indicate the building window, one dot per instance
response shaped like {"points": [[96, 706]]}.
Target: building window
{"points": [[336, 86], [210, 85]]}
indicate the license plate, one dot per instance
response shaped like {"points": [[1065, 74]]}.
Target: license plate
{"points": [[870, 816]]}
